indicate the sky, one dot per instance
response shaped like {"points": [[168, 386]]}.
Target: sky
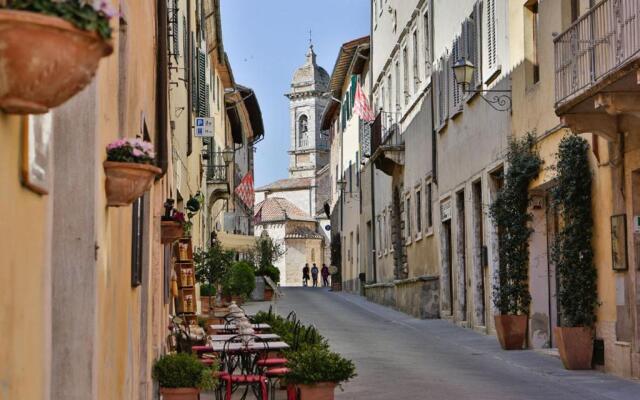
{"points": [[266, 41]]}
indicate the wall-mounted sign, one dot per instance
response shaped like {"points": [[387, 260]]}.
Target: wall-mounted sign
{"points": [[203, 127], [445, 210], [36, 137]]}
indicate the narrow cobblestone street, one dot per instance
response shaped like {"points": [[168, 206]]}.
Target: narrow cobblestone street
{"points": [[406, 358]]}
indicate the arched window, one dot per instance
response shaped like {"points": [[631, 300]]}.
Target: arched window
{"points": [[303, 131]]}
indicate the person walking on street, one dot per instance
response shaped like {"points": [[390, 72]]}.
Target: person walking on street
{"points": [[305, 275], [314, 275], [325, 275]]}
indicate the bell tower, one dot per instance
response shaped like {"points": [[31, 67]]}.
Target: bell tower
{"points": [[309, 149]]}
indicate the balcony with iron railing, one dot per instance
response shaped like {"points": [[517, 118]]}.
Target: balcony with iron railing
{"points": [[596, 52], [217, 175], [387, 142]]}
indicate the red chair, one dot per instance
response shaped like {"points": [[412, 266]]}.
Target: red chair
{"points": [[240, 358], [276, 374]]}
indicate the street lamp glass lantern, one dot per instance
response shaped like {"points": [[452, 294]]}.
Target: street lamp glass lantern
{"points": [[227, 155], [463, 71]]}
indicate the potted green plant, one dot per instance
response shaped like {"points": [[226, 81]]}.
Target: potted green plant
{"points": [[511, 295], [212, 266], [193, 206], [266, 253], [239, 282], [573, 255], [207, 297], [336, 262], [50, 50], [316, 371], [129, 170], [182, 376]]}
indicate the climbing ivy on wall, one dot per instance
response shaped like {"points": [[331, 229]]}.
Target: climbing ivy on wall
{"points": [[336, 256], [510, 214], [572, 250]]}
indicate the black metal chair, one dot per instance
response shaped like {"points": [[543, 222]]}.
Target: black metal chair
{"points": [[239, 360]]}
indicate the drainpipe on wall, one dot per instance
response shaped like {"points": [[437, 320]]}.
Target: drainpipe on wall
{"points": [[373, 180]]}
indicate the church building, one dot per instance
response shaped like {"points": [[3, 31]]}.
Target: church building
{"points": [[291, 210]]}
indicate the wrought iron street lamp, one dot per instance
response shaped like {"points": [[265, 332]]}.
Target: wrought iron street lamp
{"points": [[464, 70], [227, 155]]}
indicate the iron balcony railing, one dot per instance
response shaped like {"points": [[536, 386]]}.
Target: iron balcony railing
{"points": [[386, 130], [599, 42], [216, 168]]}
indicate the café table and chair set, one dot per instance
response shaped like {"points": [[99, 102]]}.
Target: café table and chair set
{"points": [[252, 361]]}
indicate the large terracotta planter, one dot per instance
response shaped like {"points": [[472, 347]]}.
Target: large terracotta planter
{"points": [[319, 391], [575, 346], [268, 293], [127, 181], [44, 61], [180, 393], [171, 231], [511, 330]]}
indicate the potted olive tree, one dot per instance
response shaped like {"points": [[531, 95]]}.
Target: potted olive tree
{"points": [[182, 376], [212, 266], [316, 371], [573, 255], [50, 50], [510, 213], [129, 170]]}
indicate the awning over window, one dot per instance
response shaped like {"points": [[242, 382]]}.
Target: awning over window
{"points": [[239, 243]]}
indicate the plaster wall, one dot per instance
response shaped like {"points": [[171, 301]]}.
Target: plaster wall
{"points": [[25, 271]]}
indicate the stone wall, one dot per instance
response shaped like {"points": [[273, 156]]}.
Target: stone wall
{"points": [[418, 297]]}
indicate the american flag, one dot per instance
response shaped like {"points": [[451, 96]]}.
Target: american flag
{"points": [[245, 190], [361, 106]]}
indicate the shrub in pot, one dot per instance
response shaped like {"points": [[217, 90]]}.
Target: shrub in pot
{"points": [[573, 255], [239, 281], [316, 371], [129, 170], [510, 213], [212, 266], [182, 376], [50, 50], [172, 223]]}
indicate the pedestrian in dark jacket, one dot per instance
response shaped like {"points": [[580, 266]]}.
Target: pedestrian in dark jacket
{"points": [[305, 275], [325, 275], [314, 275]]}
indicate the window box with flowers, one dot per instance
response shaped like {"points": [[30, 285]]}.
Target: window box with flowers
{"points": [[129, 170], [172, 223], [50, 50]]}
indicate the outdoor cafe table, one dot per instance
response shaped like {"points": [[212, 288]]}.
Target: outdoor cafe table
{"points": [[261, 336], [232, 327], [218, 347]]}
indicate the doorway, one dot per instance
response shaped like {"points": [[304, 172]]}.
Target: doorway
{"points": [[461, 248], [553, 226], [447, 270], [479, 256]]}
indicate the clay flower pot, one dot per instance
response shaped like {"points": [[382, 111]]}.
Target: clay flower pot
{"points": [[268, 294], [44, 61], [180, 393], [575, 346], [511, 330], [171, 231], [319, 391], [127, 181]]}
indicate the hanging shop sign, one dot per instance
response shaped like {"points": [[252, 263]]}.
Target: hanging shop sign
{"points": [[203, 127]]}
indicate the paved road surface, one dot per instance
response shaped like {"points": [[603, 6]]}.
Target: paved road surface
{"points": [[399, 357]]}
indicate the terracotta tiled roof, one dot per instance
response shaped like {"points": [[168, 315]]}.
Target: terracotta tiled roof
{"points": [[287, 184], [274, 209], [303, 233]]}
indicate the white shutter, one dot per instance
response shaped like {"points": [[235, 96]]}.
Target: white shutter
{"points": [[455, 99], [491, 55]]}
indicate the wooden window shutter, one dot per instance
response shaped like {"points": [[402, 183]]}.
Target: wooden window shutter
{"points": [[455, 99], [477, 21], [194, 74], [202, 88], [491, 38], [175, 35], [185, 47]]}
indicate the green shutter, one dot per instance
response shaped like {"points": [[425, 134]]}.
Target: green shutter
{"points": [[194, 74], [202, 97]]}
